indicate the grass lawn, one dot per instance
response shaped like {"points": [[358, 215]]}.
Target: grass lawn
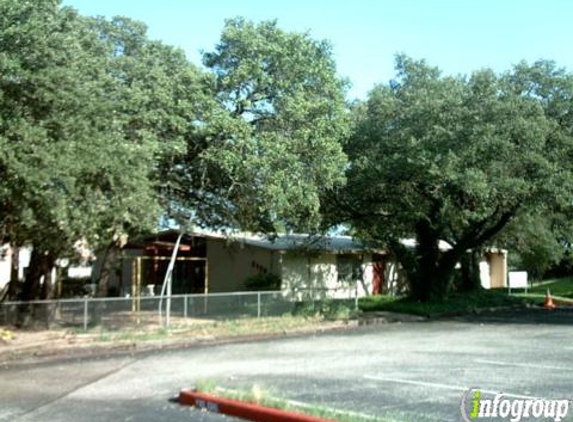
{"points": [[561, 290], [456, 303], [21, 344], [216, 329], [559, 287]]}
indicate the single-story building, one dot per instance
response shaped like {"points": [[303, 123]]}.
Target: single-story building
{"points": [[317, 267], [493, 268], [7, 257], [20, 259], [213, 262]]}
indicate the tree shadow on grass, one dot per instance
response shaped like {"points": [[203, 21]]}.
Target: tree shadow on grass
{"points": [[532, 315]]}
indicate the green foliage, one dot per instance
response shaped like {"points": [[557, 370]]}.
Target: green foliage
{"points": [[67, 171], [538, 242], [274, 139], [455, 158], [329, 309], [74, 287], [93, 115], [559, 287], [375, 302], [268, 398], [162, 98], [458, 303], [103, 130], [263, 282]]}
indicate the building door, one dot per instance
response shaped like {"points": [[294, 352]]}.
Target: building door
{"points": [[378, 269], [189, 277], [188, 274]]}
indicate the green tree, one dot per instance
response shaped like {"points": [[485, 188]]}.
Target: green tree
{"points": [[538, 241], [67, 172], [102, 130], [270, 144], [456, 159], [160, 100]]}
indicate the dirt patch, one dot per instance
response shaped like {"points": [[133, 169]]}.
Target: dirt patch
{"points": [[26, 345]]}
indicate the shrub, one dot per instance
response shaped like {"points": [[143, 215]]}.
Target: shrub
{"points": [[330, 309], [263, 281]]}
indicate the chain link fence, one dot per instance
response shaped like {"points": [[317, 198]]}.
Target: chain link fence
{"points": [[117, 313]]}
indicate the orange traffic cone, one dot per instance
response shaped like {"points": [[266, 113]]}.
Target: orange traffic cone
{"points": [[548, 304]]}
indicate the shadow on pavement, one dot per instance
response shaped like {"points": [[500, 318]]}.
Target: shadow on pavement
{"points": [[558, 316]]}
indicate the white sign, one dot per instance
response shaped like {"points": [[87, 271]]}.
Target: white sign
{"points": [[518, 279]]}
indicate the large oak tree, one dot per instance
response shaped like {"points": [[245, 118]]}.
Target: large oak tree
{"points": [[436, 157], [271, 144], [67, 173], [103, 130]]}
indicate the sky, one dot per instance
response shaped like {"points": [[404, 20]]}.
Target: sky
{"points": [[458, 36]]}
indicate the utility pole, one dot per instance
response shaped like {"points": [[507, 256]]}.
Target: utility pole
{"points": [[167, 282]]}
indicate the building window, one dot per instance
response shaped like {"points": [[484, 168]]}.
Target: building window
{"points": [[348, 268]]}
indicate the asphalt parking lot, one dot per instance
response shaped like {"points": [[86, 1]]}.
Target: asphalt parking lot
{"points": [[414, 371]]}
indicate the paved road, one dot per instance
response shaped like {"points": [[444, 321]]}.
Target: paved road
{"points": [[411, 371]]}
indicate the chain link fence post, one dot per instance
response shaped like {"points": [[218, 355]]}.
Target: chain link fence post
{"points": [[86, 314], [258, 304]]}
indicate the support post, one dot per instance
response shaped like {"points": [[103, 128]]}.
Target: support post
{"points": [[258, 304], [168, 303], [356, 296], [85, 314], [138, 290], [166, 287]]}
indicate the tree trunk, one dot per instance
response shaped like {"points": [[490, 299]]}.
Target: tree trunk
{"points": [[41, 264], [31, 287], [14, 267], [431, 273], [470, 281], [47, 291], [429, 270], [434, 279], [406, 269], [427, 283], [108, 269], [47, 311]]}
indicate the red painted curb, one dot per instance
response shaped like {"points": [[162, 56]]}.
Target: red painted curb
{"points": [[250, 411]]}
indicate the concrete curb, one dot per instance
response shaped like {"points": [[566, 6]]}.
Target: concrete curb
{"points": [[249, 411], [386, 317]]}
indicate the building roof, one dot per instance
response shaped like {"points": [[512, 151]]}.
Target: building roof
{"points": [[279, 243], [289, 242]]}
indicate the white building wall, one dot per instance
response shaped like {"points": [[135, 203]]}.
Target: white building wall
{"points": [[366, 284], [324, 277], [231, 263], [24, 261], [316, 276], [493, 269], [6, 254], [484, 275], [6, 263], [295, 275]]}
